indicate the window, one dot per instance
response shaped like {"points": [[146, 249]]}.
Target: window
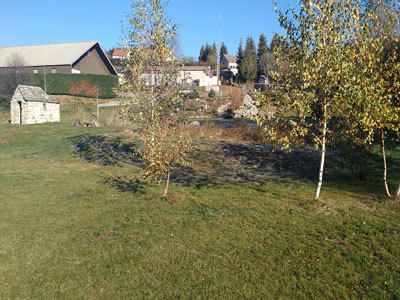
{"points": [[35, 71], [89, 53], [53, 70]]}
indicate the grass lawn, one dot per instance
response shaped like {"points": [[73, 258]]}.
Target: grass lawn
{"points": [[77, 223]]}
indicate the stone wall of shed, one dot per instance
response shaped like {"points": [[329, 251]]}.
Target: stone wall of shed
{"points": [[39, 112], [33, 112], [15, 109]]}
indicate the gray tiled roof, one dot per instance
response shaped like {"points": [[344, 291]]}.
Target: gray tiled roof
{"points": [[205, 69], [47, 55], [231, 58], [34, 94]]}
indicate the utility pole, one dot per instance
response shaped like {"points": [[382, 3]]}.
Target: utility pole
{"points": [[44, 79], [97, 102], [219, 48]]}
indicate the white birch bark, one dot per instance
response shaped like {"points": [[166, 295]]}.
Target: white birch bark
{"points": [[323, 153], [166, 186], [385, 168]]}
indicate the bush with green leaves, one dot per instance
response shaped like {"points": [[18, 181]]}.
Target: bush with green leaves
{"points": [[212, 94], [61, 84], [192, 95]]}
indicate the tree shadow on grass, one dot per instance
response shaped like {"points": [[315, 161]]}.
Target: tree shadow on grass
{"points": [[125, 185], [109, 151], [230, 162], [187, 176], [372, 180], [103, 150], [239, 163]]}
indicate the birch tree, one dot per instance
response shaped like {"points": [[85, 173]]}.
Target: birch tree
{"points": [[315, 37], [373, 83], [150, 96]]}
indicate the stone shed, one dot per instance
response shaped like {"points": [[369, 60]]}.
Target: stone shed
{"points": [[31, 105]]}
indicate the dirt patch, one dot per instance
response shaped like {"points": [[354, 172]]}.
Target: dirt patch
{"points": [[3, 143], [326, 211]]}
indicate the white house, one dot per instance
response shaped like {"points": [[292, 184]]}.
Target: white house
{"points": [[31, 105], [230, 63], [197, 75], [187, 75]]}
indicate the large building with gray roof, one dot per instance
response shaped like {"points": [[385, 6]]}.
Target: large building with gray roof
{"points": [[65, 58]]}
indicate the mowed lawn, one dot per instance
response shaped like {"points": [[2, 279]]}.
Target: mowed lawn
{"points": [[76, 223]]}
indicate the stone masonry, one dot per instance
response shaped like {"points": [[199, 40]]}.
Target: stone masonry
{"points": [[31, 105]]}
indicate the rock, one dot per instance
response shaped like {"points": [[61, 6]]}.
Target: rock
{"points": [[195, 123], [249, 108], [225, 111], [87, 123], [76, 123], [95, 123]]}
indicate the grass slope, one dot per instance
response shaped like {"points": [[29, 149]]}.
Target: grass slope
{"points": [[75, 223]]}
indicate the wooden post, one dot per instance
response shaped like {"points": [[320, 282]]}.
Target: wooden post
{"points": [[113, 117], [97, 101]]}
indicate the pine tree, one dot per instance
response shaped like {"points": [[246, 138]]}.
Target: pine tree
{"points": [[223, 50], [261, 50], [214, 48], [207, 52], [248, 65], [262, 46], [277, 42], [202, 52], [240, 55]]}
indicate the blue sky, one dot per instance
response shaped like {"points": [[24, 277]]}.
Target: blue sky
{"points": [[26, 22]]}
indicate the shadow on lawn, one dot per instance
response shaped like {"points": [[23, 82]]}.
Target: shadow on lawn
{"points": [[125, 185], [232, 162], [103, 150], [238, 163]]}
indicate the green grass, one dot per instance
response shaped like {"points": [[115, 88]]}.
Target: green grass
{"points": [[80, 225]]}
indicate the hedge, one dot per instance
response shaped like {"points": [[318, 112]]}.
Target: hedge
{"points": [[85, 85]]}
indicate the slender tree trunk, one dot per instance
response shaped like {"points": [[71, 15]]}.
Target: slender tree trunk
{"points": [[152, 108], [385, 167], [323, 152], [398, 191], [166, 186]]}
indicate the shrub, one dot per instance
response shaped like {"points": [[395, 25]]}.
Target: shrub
{"points": [[4, 103], [212, 94], [193, 108], [85, 85], [193, 95]]}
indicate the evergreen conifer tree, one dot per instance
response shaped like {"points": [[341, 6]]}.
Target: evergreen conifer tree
{"points": [[240, 55], [248, 65], [223, 50], [201, 55], [261, 51]]}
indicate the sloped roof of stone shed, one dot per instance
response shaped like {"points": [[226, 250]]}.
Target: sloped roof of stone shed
{"points": [[34, 94]]}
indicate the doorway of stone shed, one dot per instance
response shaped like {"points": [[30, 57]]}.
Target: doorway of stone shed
{"points": [[20, 112]]}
